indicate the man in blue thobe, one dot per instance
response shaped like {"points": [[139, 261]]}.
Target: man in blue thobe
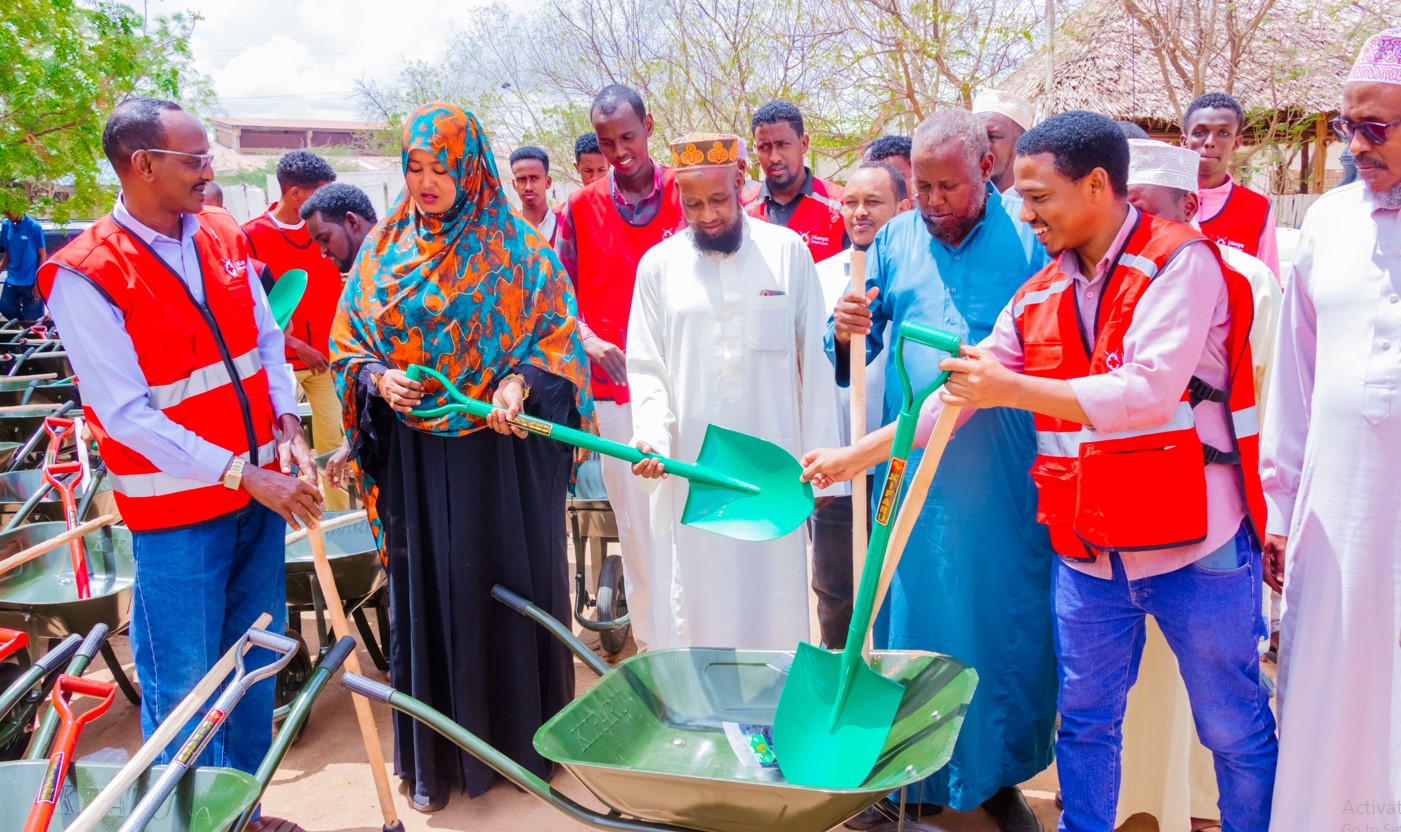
{"points": [[975, 580]]}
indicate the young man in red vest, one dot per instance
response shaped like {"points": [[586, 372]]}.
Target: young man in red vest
{"points": [[1132, 351], [530, 176], [604, 230], [279, 239], [182, 373], [790, 195], [1231, 215]]}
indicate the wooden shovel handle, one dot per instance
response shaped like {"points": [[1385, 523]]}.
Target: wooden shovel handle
{"points": [[326, 526], [30, 408], [860, 500], [40, 549], [914, 498]]}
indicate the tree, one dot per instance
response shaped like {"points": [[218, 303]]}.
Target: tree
{"points": [[67, 64], [854, 67]]}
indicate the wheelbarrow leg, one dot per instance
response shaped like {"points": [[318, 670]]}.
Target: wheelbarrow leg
{"points": [[109, 656], [372, 645]]}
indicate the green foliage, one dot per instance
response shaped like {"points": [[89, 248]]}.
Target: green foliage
{"points": [[65, 66]]}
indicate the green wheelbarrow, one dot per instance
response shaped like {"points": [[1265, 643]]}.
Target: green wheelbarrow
{"points": [[207, 799], [40, 597], [672, 739]]}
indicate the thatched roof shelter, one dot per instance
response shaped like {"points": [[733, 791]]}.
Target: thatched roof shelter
{"points": [[1105, 61]]}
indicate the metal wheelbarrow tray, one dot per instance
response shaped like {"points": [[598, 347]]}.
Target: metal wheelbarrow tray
{"points": [[354, 559], [17, 487], [208, 799], [40, 597], [648, 740]]}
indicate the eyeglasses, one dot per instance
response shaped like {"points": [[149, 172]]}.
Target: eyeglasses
{"points": [[204, 160], [1375, 132]]}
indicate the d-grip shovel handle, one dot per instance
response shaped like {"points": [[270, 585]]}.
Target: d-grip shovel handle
{"points": [[864, 607], [568, 435], [285, 647], [69, 688]]}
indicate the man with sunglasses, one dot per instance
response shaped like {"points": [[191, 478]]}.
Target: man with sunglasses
{"points": [[1331, 452], [185, 386]]}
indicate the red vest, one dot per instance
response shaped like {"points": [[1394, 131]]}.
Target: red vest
{"points": [[1241, 221], [284, 249], [817, 219], [189, 354], [609, 249], [1140, 489]]}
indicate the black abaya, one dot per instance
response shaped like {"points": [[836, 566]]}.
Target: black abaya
{"points": [[460, 515]]}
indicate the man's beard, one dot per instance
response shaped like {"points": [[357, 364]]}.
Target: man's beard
{"points": [[955, 233], [1390, 198], [727, 241]]}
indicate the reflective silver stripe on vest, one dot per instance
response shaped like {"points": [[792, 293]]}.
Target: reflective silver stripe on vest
{"points": [[203, 380], [1247, 422], [1067, 443], [1033, 298], [1143, 264], [161, 485], [1058, 443]]}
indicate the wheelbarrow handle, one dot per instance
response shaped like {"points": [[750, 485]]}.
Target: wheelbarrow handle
{"points": [[368, 688], [11, 641], [57, 657], [571, 436]]}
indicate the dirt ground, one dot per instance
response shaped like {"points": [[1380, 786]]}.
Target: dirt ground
{"points": [[324, 784]]}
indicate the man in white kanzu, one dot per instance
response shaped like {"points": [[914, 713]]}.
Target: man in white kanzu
{"points": [[726, 329], [1331, 453]]}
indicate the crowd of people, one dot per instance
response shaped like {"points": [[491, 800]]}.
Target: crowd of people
{"points": [[1157, 423]]}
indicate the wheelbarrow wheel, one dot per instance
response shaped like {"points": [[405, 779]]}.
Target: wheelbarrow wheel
{"points": [[611, 603], [292, 678]]}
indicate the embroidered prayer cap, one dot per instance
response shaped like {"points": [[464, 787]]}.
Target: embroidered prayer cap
{"points": [[1380, 59], [1015, 107], [1159, 163], [705, 150]]}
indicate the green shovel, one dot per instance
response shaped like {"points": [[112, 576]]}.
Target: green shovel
{"points": [[742, 487], [286, 294], [835, 711]]}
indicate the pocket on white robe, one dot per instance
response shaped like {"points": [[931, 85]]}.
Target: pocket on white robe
{"points": [[770, 324], [1376, 402]]}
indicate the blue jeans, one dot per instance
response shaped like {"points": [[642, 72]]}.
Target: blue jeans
{"points": [[1212, 621], [197, 590], [18, 303]]}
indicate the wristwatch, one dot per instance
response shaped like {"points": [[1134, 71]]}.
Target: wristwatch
{"points": [[233, 478]]}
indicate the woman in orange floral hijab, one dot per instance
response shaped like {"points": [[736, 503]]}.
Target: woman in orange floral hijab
{"points": [[455, 280]]}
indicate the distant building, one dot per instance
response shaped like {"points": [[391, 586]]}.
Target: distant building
{"points": [[248, 134]]}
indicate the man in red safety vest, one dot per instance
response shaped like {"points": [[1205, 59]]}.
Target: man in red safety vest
{"points": [[1132, 351], [604, 230], [790, 194], [185, 387]]}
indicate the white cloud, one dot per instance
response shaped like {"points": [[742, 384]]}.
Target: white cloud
{"points": [[300, 58]]}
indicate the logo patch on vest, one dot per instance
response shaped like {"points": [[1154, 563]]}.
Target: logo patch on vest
{"points": [[1114, 360], [230, 267], [1222, 241]]}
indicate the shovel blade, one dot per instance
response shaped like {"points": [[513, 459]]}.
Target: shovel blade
{"points": [[781, 505], [286, 294], [823, 743]]}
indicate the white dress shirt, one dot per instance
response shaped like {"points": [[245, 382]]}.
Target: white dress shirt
{"points": [[111, 380]]}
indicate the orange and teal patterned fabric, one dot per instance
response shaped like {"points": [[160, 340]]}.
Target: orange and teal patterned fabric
{"points": [[474, 292]]}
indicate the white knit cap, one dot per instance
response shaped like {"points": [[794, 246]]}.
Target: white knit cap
{"points": [[1016, 108], [1159, 163], [1380, 59]]}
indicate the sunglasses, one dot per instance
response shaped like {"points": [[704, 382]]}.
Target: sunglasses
{"points": [[1375, 132], [200, 160]]}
